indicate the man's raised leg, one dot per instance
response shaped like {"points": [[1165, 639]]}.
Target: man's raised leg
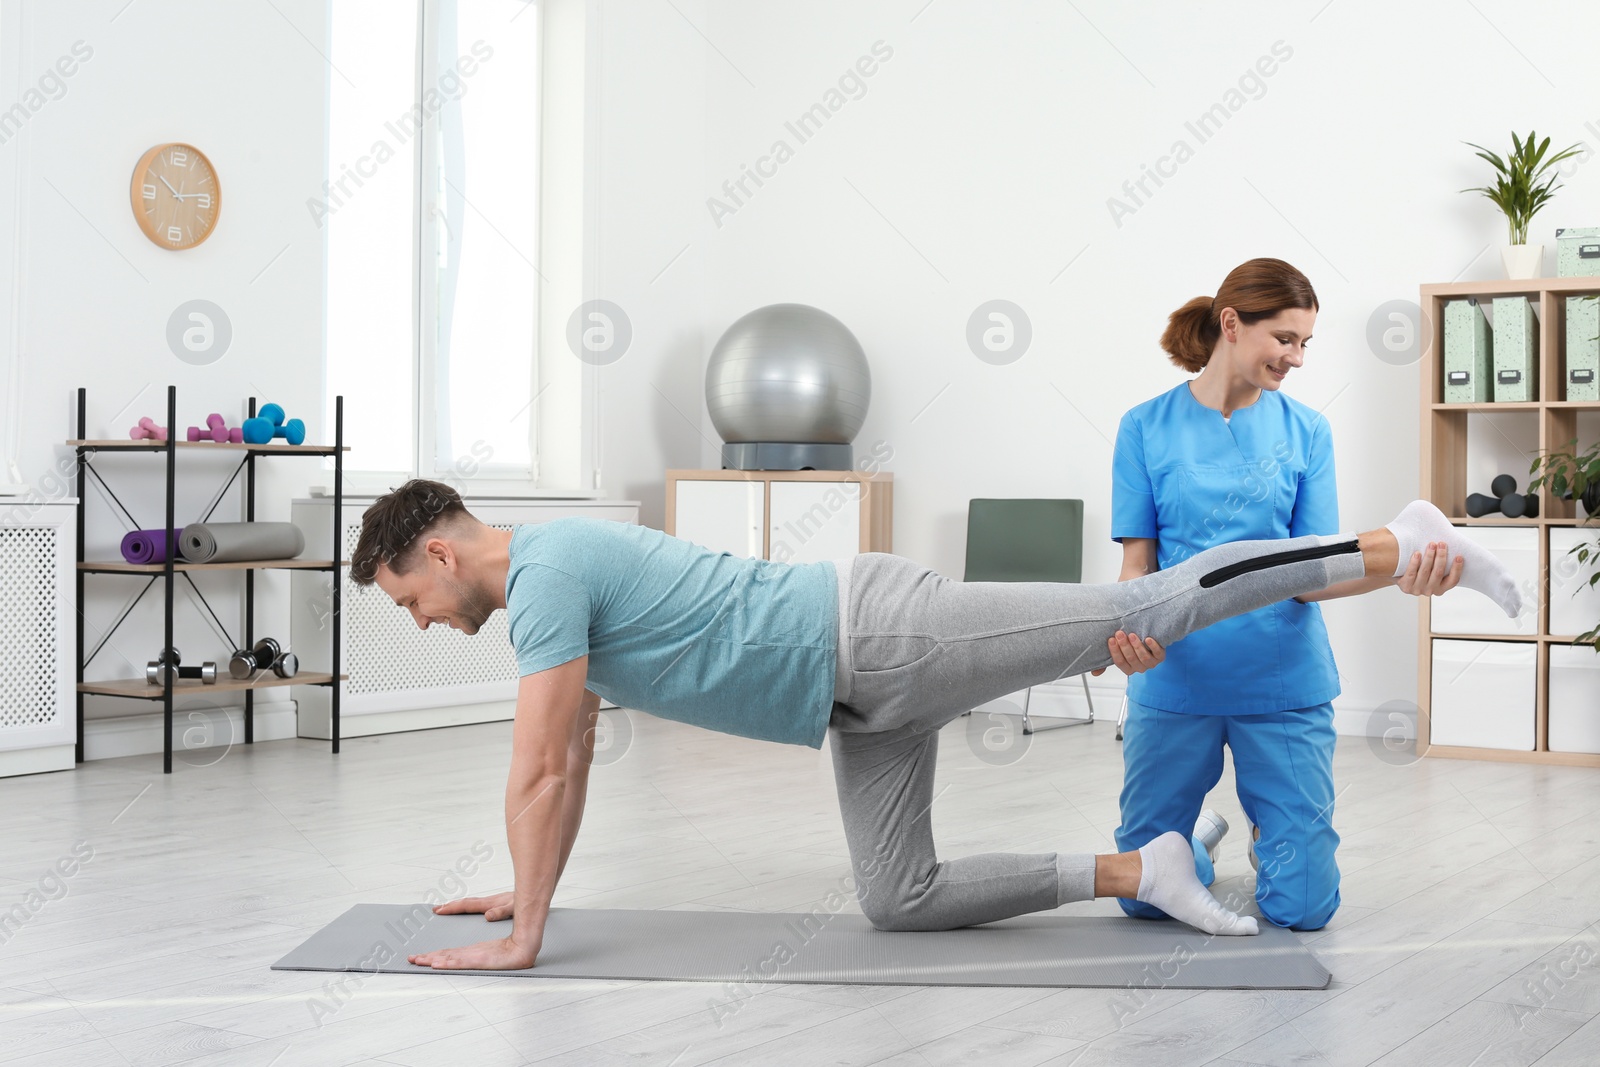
{"points": [[928, 648]]}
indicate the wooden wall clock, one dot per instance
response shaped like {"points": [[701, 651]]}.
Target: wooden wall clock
{"points": [[176, 196]]}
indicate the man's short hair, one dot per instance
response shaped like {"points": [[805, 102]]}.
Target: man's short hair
{"points": [[399, 520]]}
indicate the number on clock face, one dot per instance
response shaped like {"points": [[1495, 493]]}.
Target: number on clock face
{"points": [[176, 197]]}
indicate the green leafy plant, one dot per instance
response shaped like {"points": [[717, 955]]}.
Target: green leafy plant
{"points": [[1575, 475], [1522, 184]]}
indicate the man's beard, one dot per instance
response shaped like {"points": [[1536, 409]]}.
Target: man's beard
{"points": [[473, 609]]}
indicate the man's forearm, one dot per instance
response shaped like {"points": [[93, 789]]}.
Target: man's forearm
{"points": [[577, 792], [534, 828]]}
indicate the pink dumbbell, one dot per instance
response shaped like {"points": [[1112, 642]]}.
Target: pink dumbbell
{"points": [[216, 430], [147, 429]]}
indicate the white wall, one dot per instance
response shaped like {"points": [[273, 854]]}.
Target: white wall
{"points": [[652, 249], [978, 165], [90, 296]]}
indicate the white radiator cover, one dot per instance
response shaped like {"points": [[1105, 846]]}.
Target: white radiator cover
{"points": [[401, 677], [38, 720]]}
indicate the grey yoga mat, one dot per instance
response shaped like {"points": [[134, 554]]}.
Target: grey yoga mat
{"points": [[228, 542], [737, 948]]}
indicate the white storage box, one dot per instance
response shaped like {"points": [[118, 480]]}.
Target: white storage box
{"points": [[1574, 699], [1574, 604], [1466, 611], [1483, 694]]}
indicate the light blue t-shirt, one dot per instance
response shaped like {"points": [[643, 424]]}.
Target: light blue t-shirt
{"points": [[1187, 477], [742, 646]]}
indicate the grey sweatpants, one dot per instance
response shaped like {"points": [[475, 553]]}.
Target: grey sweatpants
{"points": [[917, 649]]}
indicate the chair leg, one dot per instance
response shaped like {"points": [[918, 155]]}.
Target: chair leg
{"points": [[1055, 724], [1122, 717]]}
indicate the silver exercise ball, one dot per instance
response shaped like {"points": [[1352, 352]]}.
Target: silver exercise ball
{"points": [[788, 373]]}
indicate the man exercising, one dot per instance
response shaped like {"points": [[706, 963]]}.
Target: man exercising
{"points": [[875, 652]]}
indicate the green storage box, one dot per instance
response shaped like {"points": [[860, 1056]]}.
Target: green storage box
{"points": [[1583, 348], [1578, 252], [1516, 350], [1468, 352]]}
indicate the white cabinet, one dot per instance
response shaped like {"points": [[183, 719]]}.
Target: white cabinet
{"points": [[1574, 699], [1483, 694], [38, 719], [1466, 611], [811, 521], [723, 516], [785, 516], [1574, 603]]}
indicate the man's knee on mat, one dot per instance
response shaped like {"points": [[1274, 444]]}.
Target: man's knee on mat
{"points": [[893, 889], [896, 910]]}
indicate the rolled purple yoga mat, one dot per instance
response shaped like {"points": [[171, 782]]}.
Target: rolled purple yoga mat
{"points": [[149, 546]]}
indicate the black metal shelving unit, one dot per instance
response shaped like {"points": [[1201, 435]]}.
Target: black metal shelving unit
{"points": [[169, 571]]}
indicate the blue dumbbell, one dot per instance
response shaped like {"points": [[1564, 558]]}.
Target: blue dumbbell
{"points": [[269, 423]]}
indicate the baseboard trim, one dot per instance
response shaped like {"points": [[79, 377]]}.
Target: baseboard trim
{"points": [[316, 726], [37, 760], [193, 730]]}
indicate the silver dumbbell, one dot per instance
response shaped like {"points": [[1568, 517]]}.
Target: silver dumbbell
{"points": [[266, 654], [155, 671]]}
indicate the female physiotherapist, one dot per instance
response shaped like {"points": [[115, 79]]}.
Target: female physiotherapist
{"points": [[1226, 457]]}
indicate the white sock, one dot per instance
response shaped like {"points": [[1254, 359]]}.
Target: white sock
{"points": [[1421, 522], [1169, 883]]}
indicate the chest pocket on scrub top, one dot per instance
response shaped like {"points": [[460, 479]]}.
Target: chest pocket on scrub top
{"points": [[1237, 502]]}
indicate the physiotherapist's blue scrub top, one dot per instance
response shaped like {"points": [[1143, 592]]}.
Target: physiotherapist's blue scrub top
{"points": [[1187, 477]]}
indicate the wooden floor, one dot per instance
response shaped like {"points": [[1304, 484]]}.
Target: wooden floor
{"points": [[1469, 933]]}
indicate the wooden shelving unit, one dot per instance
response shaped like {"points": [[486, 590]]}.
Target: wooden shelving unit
{"points": [[1444, 463], [113, 567], [139, 689], [169, 570]]}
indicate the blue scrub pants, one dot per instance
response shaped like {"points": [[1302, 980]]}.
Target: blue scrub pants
{"points": [[1283, 769]]}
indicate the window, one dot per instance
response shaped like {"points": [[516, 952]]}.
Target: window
{"points": [[431, 214]]}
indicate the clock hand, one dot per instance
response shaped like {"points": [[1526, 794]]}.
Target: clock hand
{"points": [[175, 193]]}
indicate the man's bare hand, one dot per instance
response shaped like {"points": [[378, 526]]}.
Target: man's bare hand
{"points": [[492, 908], [503, 954], [1131, 655], [1431, 571]]}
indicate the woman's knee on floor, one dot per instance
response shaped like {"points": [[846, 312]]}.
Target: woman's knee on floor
{"points": [[1297, 902], [1298, 913]]}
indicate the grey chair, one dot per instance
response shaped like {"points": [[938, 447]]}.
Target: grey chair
{"points": [[1027, 541]]}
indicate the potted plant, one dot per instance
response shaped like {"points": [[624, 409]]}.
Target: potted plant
{"points": [[1569, 475], [1522, 186]]}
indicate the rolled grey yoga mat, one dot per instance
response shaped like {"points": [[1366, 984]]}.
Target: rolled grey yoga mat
{"points": [[738, 948], [229, 542]]}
